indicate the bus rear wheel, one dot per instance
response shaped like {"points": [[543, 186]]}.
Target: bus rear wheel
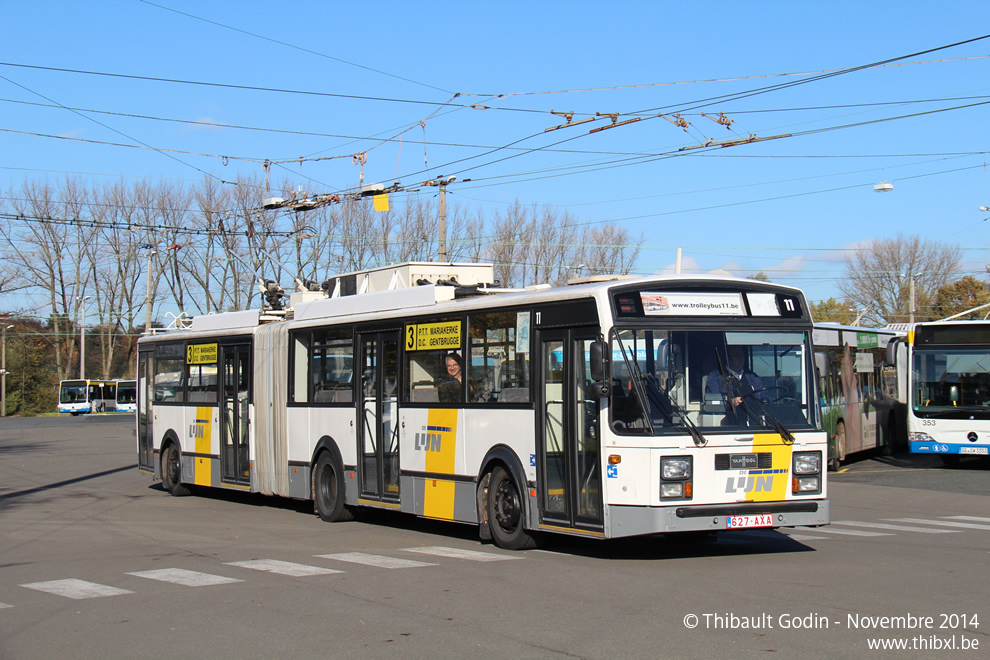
{"points": [[505, 513], [172, 472], [840, 446], [328, 489]]}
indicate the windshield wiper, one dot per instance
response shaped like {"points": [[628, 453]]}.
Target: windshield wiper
{"points": [[778, 426], [662, 399]]}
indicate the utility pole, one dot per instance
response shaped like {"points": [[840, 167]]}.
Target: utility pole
{"points": [[147, 298], [911, 320], [82, 338], [3, 373], [441, 182]]}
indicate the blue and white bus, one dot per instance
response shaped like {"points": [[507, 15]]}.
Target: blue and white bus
{"points": [[78, 397], [945, 380]]}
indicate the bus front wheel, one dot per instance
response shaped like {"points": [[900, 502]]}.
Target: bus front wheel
{"points": [[328, 489], [172, 472], [505, 513]]}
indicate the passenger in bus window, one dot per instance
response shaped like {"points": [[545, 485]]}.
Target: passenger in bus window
{"points": [[450, 387]]}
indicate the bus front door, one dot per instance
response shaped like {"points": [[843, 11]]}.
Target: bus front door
{"points": [[235, 397], [145, 434], [377, 408], [570, 486]]}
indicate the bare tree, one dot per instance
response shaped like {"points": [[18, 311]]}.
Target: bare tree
{"points": [[880, 276], [608, 250], [48, 246], [506, 250]]}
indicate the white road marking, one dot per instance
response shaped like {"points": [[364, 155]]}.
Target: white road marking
{"points": [[378, 561], [3, 605], [76, 589], [458, 553], [943, 523], [899, 528], [973, 518], [283, 567], [805, 537], [184, 577], [848, 532]]}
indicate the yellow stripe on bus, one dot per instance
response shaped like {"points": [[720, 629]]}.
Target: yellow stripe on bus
{"points": [[438, 496], [771, 487], [203, 425]]}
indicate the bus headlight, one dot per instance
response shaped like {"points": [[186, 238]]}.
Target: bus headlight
{"points": [[807, 462], [920, 436], [675, 468], [675, 477]]}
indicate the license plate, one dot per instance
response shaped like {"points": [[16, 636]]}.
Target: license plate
{"points": [[755, 520], [973, 450], [743, 461]]}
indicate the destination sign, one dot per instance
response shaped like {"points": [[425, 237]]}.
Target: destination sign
{"points": [[201, 354], [445, 335]]}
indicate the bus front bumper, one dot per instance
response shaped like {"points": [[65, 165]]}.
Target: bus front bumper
{"points": [[637, 520]]}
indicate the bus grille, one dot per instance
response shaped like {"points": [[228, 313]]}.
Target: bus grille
{"points": [[764, 460]]}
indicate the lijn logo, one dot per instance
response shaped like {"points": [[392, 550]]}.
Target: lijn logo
{"points": [[749, 484]]}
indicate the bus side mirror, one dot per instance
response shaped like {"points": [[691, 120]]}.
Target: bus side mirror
{"points": [[596, 358], [890, 353], [599, 368]]}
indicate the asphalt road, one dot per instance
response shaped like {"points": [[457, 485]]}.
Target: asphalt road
{"points": [[96, 561]]}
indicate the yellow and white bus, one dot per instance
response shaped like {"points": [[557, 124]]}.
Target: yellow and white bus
{"points": [[593, 409]]}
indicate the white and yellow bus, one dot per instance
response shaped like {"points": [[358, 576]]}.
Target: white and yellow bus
{"points": [[591, 409]]}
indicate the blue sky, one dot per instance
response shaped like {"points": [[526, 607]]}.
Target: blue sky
{"points": [[789, 207]]}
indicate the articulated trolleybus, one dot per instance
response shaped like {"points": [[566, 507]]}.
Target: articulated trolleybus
{"points": [[944, 366], [604, 408]]}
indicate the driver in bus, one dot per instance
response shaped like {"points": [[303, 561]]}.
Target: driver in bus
{"points": [[746, 380]]}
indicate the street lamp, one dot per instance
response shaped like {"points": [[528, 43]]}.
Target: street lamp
{"points": [[3, 373], [82, 338]]}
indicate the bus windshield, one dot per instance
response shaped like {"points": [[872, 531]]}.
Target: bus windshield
{"points": [[703, 381], [951, 380], [72, 392]]}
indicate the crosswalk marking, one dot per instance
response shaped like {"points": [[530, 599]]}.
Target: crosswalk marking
{"points": [[899, 528], [379, 561], [458, 553], [3, 605], [943, 523], [972, 518], [283, 567], [76, 589], [846, 532], [184, 577]]}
